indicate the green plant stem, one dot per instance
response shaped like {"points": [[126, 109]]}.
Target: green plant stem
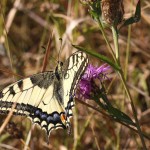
{"points": [[115, 37], [116, 45], [121, 74], [106, 39]]}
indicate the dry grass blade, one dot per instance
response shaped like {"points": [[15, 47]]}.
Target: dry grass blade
{"points": [[26, 145], [7, 118], [47, 54], [11, 73], [12, 14], [8, 147], [96, 140], [83, 131]]}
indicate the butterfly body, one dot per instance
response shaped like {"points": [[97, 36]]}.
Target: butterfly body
{"points": [[46, 98]]}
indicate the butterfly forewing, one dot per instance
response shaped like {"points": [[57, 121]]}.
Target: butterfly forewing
{"points": [[27, 91], [75, 65], [46, 98]]}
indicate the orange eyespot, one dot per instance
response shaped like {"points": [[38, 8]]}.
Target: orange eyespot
{"points": [[63, 118]]}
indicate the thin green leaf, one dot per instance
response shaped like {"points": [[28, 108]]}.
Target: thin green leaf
{"points": [[128, 22], [135, 18], [119, 115], [114, 112], [95, 10], [137, 15], [94, 15], [99, 56]]}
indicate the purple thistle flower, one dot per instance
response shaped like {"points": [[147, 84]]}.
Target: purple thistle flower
{"points": [[86, 84]]}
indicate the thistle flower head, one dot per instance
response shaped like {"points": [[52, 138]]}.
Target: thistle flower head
{"points": [[113, 11], [86, 86]]}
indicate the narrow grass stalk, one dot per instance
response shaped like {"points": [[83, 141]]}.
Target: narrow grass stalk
{"points": [[75, 120], [47, 54], [7, 118], [118, 138], [116, 45], [127, 51], [133, 109], [96, 140], [26, 146], [120, 72], [83, 130], [6, 42]]}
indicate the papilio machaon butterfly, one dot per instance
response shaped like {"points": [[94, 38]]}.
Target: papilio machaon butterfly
{"points": [[46, 98]]}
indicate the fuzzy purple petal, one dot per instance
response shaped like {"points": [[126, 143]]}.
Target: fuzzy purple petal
{"points": [[92, 72]]}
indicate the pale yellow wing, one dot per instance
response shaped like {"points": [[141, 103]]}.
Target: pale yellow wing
{"points": [[74, 67], [34, 97]]}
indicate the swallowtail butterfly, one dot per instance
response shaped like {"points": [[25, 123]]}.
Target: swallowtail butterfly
{"points": [[46, 98]]}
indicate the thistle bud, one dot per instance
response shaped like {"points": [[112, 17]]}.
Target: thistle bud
{"points": [[112, 11]]}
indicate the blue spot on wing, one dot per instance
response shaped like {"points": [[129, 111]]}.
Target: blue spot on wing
{"points": [[56, 118]]}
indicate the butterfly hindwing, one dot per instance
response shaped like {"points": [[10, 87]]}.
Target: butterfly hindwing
{"points": [[46, 98]]}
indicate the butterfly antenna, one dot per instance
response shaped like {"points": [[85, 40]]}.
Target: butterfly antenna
{"points": [[60, 49], [54, 60]]}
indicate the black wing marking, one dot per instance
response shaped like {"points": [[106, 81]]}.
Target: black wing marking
{"points": [[34, 98], [73, 69]]}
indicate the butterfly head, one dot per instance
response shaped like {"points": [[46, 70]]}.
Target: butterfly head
{"points": [[59, 66], [60, 63], [58, 70]]}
